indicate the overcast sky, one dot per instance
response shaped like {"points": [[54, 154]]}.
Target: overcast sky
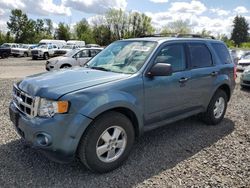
{"points": [[213, 15]]}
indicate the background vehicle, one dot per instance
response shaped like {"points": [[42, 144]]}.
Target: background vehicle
{"points": [[44, 51], [65, 49], [92, 45], [4, 52], [10, 45], [245, 78], [76, 43], [77, 57], [130, 87], [23, 50], [58, 43], [244, 62]]}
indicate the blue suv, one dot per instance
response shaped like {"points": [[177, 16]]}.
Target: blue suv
{"points": [[132, 86]]}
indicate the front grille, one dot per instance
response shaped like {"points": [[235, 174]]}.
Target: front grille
{"points": [[25, 103], [15, 51], [34, 52], [60, 52], [244, 64], [246, 82]]}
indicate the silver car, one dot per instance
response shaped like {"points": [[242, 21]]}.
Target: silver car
{"points": [[77, 57]]}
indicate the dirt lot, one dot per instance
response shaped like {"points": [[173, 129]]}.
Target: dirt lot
{"points": [[184, 154], [20, 67]]}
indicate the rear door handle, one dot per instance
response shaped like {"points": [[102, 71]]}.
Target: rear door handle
{"points": [[214, 73], [183, 80]]}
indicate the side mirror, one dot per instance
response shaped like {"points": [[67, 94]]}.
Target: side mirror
{"points": [[160, 69]]}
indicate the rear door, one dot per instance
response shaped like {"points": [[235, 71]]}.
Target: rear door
{"points": [[203, 73]]}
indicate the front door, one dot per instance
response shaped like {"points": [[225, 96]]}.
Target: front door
{"points": [[167, 96]]}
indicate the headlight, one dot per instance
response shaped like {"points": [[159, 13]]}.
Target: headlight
{"points": [[48, 108]]}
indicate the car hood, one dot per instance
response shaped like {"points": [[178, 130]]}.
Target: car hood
{"points": [[54, 84]]}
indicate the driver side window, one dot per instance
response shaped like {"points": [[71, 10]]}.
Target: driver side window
{"points": [[82, 54], [173, 55]]}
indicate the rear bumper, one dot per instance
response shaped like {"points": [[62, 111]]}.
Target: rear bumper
{"points": [[63, 132]]}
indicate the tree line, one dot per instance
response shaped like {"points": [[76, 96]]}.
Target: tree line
{"points": [[114, 25]]}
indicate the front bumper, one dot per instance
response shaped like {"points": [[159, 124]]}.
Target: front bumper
{"points": [[245, 80], [63, 132]]}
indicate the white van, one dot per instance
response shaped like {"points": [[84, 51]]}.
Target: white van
{"points": [[76, 43], [59, 43]]}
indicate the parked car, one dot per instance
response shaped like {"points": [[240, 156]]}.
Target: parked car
{"points": [[44, 51], [77, 57], [245, 78], [65, 49], [92, 45], [5, 52], [10, 45], [132, 86], [58, 43], [23, 50], [244, 62], [76, 43]]}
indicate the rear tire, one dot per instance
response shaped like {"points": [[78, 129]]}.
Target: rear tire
{"points": [[99, 149], [25, 54], [34, 57], [216, 108]]}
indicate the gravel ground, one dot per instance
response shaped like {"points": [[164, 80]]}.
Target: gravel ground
{"points": [[184, 154], [21, 61]]}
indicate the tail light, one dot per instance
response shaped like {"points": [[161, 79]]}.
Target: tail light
{"points": [[235, 75]]}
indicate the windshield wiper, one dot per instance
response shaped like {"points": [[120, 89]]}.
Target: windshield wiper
{"points": [[98, 68]]}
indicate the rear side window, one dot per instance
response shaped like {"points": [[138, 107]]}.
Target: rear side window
{"points": [[222, 53], [200, 55]]}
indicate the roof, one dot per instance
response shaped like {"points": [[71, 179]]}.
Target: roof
{"points": [[164, 39]]}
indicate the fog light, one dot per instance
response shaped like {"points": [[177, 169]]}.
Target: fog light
{"points": [[43, 139]]}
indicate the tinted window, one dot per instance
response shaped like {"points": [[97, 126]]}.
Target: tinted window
{"points": [[200, 55], [173, 55], [222, 53], [94, 52], [82, 54]]}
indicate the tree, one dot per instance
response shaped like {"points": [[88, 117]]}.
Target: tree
{"points": [[62, 32], [48, 27], [179, 26], [240, 30], [84, 32], [20, 26]]}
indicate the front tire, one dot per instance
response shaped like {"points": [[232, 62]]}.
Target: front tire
{"points": [[45, 56], [216, 108], [107, 142]]}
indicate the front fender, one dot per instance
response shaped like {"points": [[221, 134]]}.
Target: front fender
{"points": [[110, 100]]}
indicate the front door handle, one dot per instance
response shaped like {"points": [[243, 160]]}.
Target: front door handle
{"points": [[214, 73], [183, 80]]}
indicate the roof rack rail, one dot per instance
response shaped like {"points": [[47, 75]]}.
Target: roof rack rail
{"points": [[179, 35]]}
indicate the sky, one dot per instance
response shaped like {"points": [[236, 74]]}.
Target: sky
{"points": [[213, 15]]}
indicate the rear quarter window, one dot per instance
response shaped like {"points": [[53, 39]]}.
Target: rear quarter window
{"points": [[222, 52]]}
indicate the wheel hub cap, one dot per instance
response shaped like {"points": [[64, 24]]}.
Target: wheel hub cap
{"points": [[111, 144], [219, 107]]}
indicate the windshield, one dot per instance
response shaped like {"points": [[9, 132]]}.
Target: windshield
{"points": [[246, 56], [5, 45], [71, 52], [43, 46], [123, 56]]}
